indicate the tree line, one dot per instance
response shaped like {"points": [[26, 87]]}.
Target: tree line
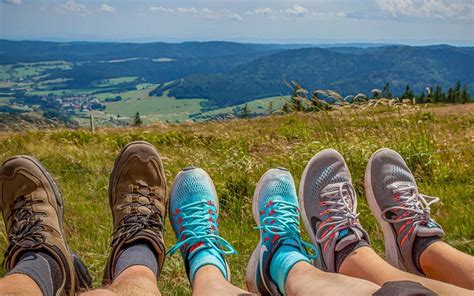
{"points": [[326, 99]]}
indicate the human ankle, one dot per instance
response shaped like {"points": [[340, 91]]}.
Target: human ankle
{"points": [[296, 273], [423, 245], [203, 258], [137, 254], [42, 268], [283, 261], [205, 272], [340, 256], [134, 272]]}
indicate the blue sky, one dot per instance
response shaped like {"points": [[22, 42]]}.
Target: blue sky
{"points": [[317, 21]]}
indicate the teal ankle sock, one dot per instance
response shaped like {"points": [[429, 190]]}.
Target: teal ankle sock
{"points": [[206, 256], [287, 255]]}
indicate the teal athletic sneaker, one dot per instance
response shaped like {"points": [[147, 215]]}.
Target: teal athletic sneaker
{"points": [[194, 209], [400, 209], [275, 210]]}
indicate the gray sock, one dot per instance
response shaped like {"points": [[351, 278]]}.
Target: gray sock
{"points": [[342, 254], [419, 245], [42, 268], [136, 254]]}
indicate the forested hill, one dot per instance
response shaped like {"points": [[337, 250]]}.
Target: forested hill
{"points": [[40, 51], [346, 70], [228, 73]]}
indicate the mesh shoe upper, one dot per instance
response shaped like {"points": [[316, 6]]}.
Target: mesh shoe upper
{"points": [[194, 210], [400, 204], [32, 209], [276, 210], [328, 202]]}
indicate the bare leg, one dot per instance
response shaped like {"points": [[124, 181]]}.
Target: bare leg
{"points": [[19, 284], [135, 280], [210, 281], [442, 262], [305, 279], [364, 263]]}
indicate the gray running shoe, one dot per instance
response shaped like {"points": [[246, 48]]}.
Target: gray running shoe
{"points": [[400, 209], [328, 206]]}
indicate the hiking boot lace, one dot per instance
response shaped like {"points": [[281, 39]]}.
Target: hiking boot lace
{"points": [[413, 207], [144, 214], [27, 224], [198, 229], [282, 222], [341, 204]]}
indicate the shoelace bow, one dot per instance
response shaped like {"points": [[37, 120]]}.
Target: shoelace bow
{"points": [[284, 223], [141, 195], [26, 225], [414, 206], [199, 229], [343, 212]]}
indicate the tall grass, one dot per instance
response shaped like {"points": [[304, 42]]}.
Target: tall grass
{"points": [[436, 144]]}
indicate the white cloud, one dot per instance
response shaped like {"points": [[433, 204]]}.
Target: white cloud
{"points": [[262, 11], [14, 2], [75, 7], [205, 12], [191, 10], [435, 9], [296, 10], [218, 14], [107, 8], [157, 8], [235, 16], [208, 13], [338, 14]]}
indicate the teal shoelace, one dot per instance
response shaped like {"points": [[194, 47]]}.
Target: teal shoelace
{"points": [[284, 223], [200, 227]]}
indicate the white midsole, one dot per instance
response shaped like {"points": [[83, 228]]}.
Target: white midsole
{"points": [[251, 275], [391, 251], [306, 222]]}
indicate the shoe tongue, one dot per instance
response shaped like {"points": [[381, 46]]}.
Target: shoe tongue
{"points": [[401, 185], [430, 229], [194, 249], [346, 237], [290, 242]]}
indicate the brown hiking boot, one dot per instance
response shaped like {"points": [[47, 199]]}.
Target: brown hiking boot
{"points": [[32, 209], [137, 197]]}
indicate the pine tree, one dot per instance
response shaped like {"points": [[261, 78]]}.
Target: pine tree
{"points": [[438, 95], [386, 92], [465, 97], [422, 99], [137, 121], [457, 92], [408, 94], [245, 112], [270, 108], [450, 96]]}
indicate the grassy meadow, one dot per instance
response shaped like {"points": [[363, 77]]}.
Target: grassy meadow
{"points": [[437, 143]]}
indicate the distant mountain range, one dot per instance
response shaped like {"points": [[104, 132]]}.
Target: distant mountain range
{"points": [[227, 73], [345, 70]]}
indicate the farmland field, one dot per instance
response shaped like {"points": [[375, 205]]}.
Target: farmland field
{"points": [[35, 80]]}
